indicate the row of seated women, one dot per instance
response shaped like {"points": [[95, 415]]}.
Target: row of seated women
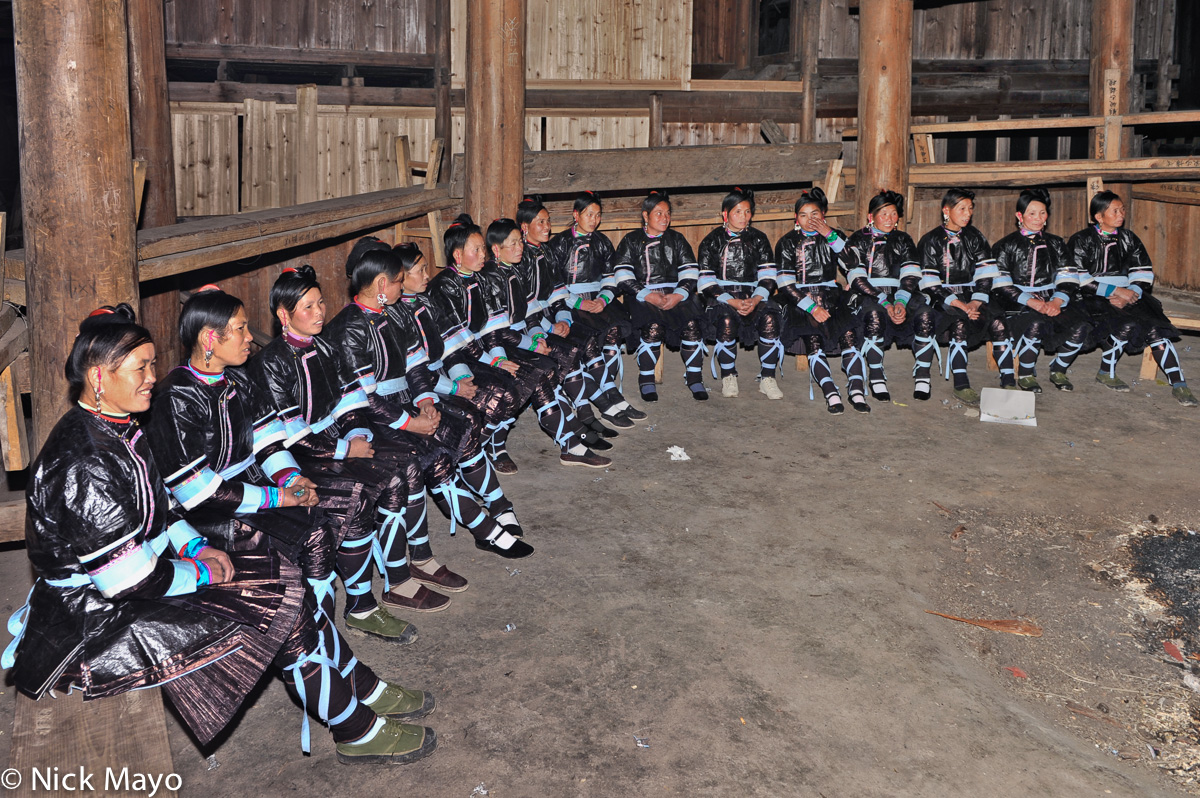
{"points": [[1031, 292], [269, 478]]}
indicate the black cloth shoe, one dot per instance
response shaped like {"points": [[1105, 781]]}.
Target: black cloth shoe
{"points": [[633, 414], [604, 432], [518, 550], [859, 403], [620, 419]]}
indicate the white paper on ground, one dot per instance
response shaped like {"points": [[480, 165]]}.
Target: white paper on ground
{"points": [[1007, 407], [677, 453]]}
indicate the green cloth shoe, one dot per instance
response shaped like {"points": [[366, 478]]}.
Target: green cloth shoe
{"points": [[968, 396], [381, 624], [395, 744], [1184, 396], [1059, 380], [1029, 384], [400, 703], [1116, 383]]}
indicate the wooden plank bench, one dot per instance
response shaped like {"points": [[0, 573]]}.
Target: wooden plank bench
{"points": [[121, 742]]}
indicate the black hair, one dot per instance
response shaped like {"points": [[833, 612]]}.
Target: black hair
{"points": [[1033, 195], [498, 231], [1100, 203], [956, 195], [361, 246], [814, 196], [457, 233], [654, 199], [885, 198], [528, 209], [293, 283], [106, 337], [208, 307], [370, 265], [407, 254], [584, 199], [737, 196]]}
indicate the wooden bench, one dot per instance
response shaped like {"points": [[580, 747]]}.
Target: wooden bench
{"points": [[115, 740]]}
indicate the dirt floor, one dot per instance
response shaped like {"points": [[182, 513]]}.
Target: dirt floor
{"points": [[756, 615]]}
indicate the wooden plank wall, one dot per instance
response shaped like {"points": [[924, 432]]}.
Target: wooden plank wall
{"points": [[1171, 233], [392, 26], [595, 40]]}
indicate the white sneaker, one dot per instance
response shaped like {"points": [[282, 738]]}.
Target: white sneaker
{"points": [[729, 386], [768, 386]]}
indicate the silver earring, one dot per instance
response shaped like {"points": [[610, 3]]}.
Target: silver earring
{"points": [[381, 298]]}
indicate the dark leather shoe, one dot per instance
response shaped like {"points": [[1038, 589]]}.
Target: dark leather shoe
{"points": [[633, 414], [425, 600], [604, 432], [620, 420], [503, 464], [443, 578], [588, 459], [516, 551]]}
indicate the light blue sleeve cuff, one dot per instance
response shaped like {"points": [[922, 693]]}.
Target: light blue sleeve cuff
{"points": [[184, 581], [444, 384], [563, 316], [641, 295], [429, 395], [725, 297], [682, 292], [1137, 289], [1105, 289], [762, 292], [343, 449], [459, 371], [1024, 298], [980, 296], [903, 297], [402, 421], [360, 432], [496, 353], [527, 342], [1063, 298], [946, 304], [607, 295], [807, 304], [181, 534], [253, 498]]}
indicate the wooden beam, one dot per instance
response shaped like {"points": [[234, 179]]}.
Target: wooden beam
{"points": [[1019, 173], [495, 115], [808, 38], [433, 172], [305, 164], [72, 68], [772, 132], [254, 54], [442, 123], [656, 120], [1178, 193], [675, 167], [215, 240], [884, 98], [1111, 66], [1071, 122]]}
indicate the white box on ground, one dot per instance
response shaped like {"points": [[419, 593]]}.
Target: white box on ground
{"points": [[1007, 407]]}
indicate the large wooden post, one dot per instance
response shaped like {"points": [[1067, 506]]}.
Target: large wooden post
{"points": [[442, 125], [76, 178], [1111, 83], [884, 99], [495, 111], [150, 113]]}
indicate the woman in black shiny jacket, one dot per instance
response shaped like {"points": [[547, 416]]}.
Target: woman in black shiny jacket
{"points": [[737, 280], [582, 258], [656, 271], [957, 275], [819, 322], [1119, 296], [881, 269], [1039, 289]]}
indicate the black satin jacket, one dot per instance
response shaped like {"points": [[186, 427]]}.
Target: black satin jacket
{"points": [[96, 530], [643, 264], [808, 268], [1034, 265], [1112, 261], [956, 266], [882, 265], [739, 264], [462, 312], [321, 402], [545, 290], [584, 264]]}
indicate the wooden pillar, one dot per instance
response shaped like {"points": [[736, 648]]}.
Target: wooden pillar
{"points": [[806, 42], [76, 178], [884, 99], [744, 20], [442, 124], [150, 115], [1111, 81], [495, 112], [656, 120]]}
